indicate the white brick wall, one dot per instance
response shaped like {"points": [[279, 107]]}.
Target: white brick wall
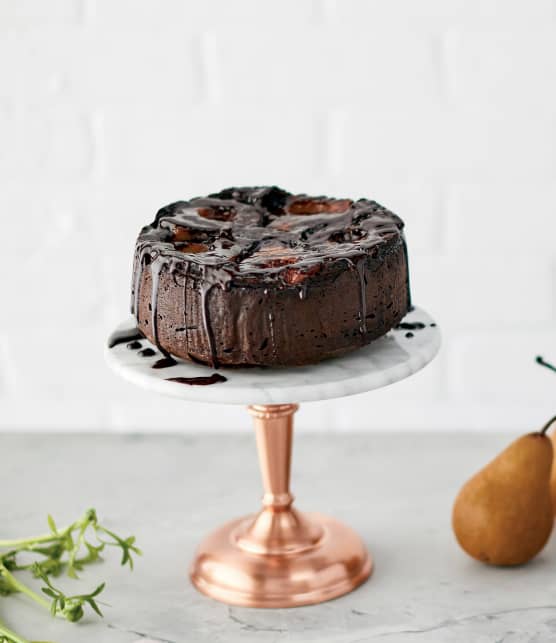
{"points": [[443, 110]]}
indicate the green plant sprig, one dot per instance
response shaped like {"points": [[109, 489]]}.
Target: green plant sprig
{"points": [[71, 607], [8, 636], [66, 550]]}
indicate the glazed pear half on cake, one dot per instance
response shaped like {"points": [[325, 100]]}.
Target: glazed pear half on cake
{"points": [[259, 276]]}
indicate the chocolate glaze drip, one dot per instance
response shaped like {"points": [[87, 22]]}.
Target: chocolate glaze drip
{"points": [[358, 266], [410, 305], [271, 331], [122, 336], [156, 268], [246, 236], [185, 320], [270, 319], [215, 378], [543, 362], [205, 292], [137, 273]]}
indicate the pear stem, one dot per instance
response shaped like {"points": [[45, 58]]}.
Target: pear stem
{"points": [[547, 425]]}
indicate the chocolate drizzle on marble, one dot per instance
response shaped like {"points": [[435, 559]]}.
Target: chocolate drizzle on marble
{"points": [[252, 236], [165, 362], [215, 378], [124, 336], [410, 326]]}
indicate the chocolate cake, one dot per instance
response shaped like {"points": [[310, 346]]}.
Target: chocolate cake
{"points": [[259, 276]]}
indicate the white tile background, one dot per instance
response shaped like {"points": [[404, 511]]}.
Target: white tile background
{"points": [[443, 110]]}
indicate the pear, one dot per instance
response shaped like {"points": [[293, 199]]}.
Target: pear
{"points": [[553, 476], [503, 515]]}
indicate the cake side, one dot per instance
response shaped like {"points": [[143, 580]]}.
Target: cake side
{"points": [[257, 325]]}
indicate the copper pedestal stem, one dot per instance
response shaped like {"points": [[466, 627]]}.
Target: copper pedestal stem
{"points": [[277, 528], [274, 433], [280, 557]]}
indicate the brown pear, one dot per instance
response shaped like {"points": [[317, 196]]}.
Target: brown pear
{"points": [[503, 515], [552, 423]]}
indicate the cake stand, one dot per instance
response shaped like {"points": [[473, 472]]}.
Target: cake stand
{"points": [[281, 557]]}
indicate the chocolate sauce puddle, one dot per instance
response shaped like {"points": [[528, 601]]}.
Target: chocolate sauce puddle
{"points": [[410, 326], [543, 362], [124, 336], [133, 346], [147, 352], [215, 378], [165, 362]]}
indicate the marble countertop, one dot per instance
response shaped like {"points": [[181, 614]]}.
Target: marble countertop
{"points": [[396, 490]]}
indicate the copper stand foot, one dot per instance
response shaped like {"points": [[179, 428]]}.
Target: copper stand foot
{"points": [[279, 557]]}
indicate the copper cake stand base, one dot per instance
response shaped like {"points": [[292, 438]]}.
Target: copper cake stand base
{"points": [[279, 557]]}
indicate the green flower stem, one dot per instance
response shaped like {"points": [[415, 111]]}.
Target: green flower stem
{"points": [[10, 636], [45, 538], [29, 542], [20, 587], [77, 546]]}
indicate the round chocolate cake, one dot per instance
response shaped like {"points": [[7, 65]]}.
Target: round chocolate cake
{"points": [[259, 276]]}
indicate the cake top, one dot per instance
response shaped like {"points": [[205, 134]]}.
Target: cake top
{"points": [[266, 233]]}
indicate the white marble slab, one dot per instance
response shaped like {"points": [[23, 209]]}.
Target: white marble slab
{"points": [[385, 361]]}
